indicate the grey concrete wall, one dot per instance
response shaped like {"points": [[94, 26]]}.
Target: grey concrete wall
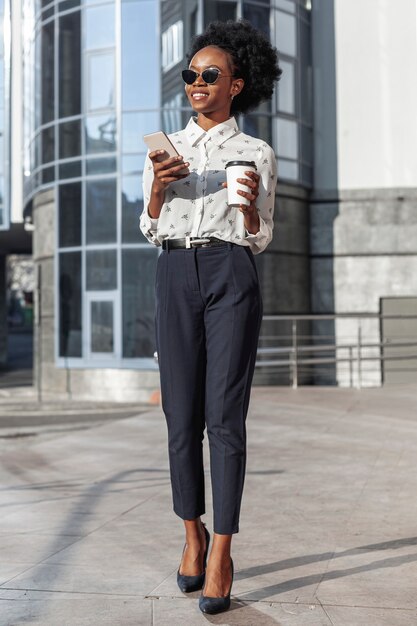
{"points": [[285, 275], [3, 312], [54, 382], [364, 247]]}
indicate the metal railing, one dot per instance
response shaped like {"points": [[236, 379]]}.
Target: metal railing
{"points": [[304, 350]]}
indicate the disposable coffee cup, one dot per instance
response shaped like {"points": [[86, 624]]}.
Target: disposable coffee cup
{"points": [[235, 170]]}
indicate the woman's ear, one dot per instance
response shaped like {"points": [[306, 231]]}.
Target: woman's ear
{"points": [[237, 86]]}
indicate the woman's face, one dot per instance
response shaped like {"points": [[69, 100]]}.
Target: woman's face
{"points": [[213, 100]]}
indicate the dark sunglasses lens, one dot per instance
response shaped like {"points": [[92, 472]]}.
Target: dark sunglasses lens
{"points": [[210, 76], [188, 76]]}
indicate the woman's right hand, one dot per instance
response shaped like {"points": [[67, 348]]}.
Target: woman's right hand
{"points": [[167, 171]]}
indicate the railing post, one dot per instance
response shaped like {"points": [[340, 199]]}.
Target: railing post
{"points": [[351, 366], [294, 355], [358, 360]]}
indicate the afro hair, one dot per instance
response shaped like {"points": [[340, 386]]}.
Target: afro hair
{"points": [[254, 59]]}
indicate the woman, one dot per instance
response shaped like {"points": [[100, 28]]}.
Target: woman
{"points": [[208, 301]]}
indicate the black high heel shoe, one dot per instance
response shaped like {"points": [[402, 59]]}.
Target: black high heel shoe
{"points": [[216, 605], [194, 583]]}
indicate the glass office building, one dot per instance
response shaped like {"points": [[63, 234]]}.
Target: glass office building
{"points": [[4, 113], [96, 77]]}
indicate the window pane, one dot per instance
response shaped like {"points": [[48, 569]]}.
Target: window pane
{"points": [[69, 139], [134, 126], [70, 170], [287, 5], [70, 304], [47, 73], [99, 27], [217, 10], [132, 163], [101, 211], [132, 206], [286, 33], [100, 81], [69, 215], [100, 166], [48, 144], [101, 270], [138, 301], [286, 88], [139, 42], [287, 169], [48, 175], [258, 126], [101, 326], [287, 138], [100, 134], [69, 65], [258, 17]]}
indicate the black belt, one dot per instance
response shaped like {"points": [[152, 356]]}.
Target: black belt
{"points": [[193, 242]]}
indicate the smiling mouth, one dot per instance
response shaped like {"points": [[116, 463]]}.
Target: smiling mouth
{"points": [[198, 95]]}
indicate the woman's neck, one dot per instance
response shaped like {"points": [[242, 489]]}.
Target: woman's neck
{"points": [[207, 122]]}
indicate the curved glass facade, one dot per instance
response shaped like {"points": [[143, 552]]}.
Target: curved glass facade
{"points": [[5, 43], [97, 76]]}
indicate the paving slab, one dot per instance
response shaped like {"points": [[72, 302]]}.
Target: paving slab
{"points": [[327, 535]]}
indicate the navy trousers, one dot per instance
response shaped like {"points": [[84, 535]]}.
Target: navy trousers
{"points": [[208, 317]]}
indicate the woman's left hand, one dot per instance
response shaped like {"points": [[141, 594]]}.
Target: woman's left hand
{"points": [[250, 212]]}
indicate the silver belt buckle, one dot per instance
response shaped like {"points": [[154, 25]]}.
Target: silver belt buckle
{"points": [[200, 242], [187, 241]]}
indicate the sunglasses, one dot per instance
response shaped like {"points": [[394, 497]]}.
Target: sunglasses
{"points": [[209, 76]]}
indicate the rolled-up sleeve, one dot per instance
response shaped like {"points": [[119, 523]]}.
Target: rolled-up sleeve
{"points": [[267, 169], [148, 225]]}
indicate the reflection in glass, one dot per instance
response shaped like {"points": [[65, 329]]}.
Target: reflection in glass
{"points": [[132, 206], [287, 169], [101, 211], [100, 134], [219, 10], [69, 207], [132, 163], [140, 52], [171, 114], [134, 126], [69, 76], [100, 166], [70, 304], [47, 175], [287, 138], [306, 99], [287, 5], [47, 74], [258, 126], [101, 339], [286, 88], [99, 27], [69, 139], [70, 170], [68, 4], [48, 144], [101, 270], [138, 301], [258, 16], [286, 33], [100, 81]]}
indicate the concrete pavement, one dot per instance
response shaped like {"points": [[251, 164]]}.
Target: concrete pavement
{"points": [[328, 528]]}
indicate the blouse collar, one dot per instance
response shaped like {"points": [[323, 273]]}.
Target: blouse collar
{"points": [[218, 134]]}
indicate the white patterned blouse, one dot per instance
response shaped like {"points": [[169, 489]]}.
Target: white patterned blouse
{"points": [[197, 205]]}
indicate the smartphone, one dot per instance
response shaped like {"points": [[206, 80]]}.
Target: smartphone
{"points": [[160, 141]]}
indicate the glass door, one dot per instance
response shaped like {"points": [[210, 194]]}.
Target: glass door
{"points": [[101, 327]]}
